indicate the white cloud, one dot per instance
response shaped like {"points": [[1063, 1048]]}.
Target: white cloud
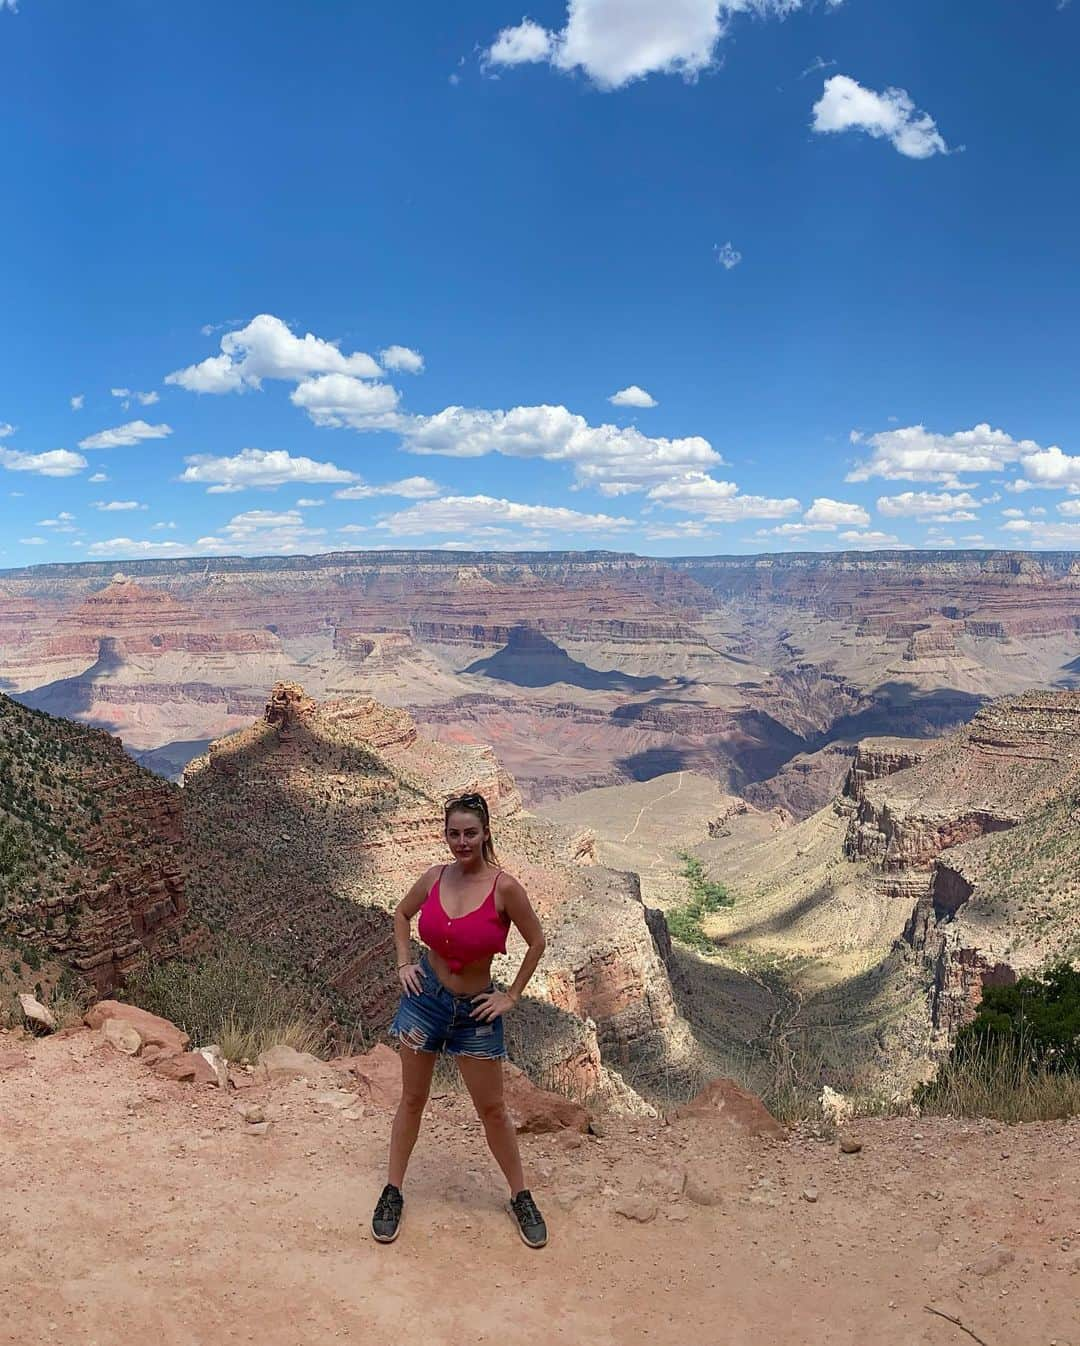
{"points": [[127, 548], [171, 524], [122, 435], [127, 396], [633, 396], [717, 501], [616, 41], [305, 503], [32, 541], [1050, 467], [484, 516], [832, 512], [409, 488], [727, 255], [857, 539], [942, 505], [264, 468], [1012, 513], [403, 359], [339, 399], [114, 506], [77, 401], [54, 463], [1070, 507], [681, 528], [6, 429], [63, 523], [98, 477], [267, 349], [846, 106], [612, 460], [794, 530], [914, 453], [263, 530], [1049, 534]]}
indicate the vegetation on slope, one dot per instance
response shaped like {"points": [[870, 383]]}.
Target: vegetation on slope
{"points": [[686, 922], [1019, 1059]]}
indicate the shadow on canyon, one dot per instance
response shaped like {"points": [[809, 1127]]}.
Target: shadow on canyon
{"points": [[901, 710], [531, 659], [71, 698]]}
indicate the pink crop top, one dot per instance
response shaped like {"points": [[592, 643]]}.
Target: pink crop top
{"points": [[463, 939]]}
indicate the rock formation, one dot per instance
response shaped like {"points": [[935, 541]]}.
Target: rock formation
{"points": [[90, 865]]}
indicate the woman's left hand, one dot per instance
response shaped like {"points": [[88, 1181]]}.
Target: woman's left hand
{"points": [[490, 1004]]}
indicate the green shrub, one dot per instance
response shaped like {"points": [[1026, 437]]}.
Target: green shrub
{"points": [[685, 921], [1019, 1058]]}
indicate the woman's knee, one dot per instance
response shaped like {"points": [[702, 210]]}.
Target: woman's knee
{"points": [[493, 1112]]}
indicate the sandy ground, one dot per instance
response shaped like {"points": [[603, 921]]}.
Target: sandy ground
{"points": [[139, 1210]]}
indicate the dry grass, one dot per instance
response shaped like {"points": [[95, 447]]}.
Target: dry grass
{"points": [[231, 998], [1003, 1083]]}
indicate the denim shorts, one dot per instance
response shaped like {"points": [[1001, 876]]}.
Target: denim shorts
{"points": [[438, 1020]]}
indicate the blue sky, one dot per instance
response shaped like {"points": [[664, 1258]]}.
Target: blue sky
{"points": [[397, 260]]}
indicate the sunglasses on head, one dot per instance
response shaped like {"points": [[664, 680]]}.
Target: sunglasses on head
{"points": [[468, 802]]}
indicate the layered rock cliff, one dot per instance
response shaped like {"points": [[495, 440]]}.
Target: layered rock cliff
{"points": [[90, 858]]}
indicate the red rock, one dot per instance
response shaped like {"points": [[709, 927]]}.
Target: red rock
{"points": [[378, 1073], [722, 1100], [158, 1033], [188, 1067], [536, 1110]]}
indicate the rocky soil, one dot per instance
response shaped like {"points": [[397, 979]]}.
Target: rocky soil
{"points": [[142, 1209]]}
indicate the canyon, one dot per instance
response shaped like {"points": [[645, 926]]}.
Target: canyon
{"points": [[849, 742], [579, 669]]}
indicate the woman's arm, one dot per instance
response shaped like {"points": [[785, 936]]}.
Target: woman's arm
{"points": [[406, 909], [517, 906]]}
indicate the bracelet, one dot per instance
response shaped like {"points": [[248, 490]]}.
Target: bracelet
{"points": [[401, 965]]}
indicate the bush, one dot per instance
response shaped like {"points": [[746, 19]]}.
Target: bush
{"points": [[685, 922], [1039, 1018], [228, 997], [1019, 1059]]}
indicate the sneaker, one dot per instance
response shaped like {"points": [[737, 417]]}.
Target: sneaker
{"points": [[386, 1222], [530, 1222]]}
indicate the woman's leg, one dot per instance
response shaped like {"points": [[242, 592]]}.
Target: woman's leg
{"points": [[483, 1078], [416, 1072]]}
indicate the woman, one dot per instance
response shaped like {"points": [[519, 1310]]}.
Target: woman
{"points": [[450, 1003]]}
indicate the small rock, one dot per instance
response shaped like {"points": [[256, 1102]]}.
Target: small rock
{"points": [[252, 1112], [124, 1036], [336, 1098], [810, 1194], [257, 1129], [677, 1213], [850, 1145], [639, 1208], [702, 1191], [993, 1260], [36, 1013], [216, 1061]]}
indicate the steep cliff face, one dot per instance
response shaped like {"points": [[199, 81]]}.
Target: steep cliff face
{"points": [[90, 866], [304, 830]]}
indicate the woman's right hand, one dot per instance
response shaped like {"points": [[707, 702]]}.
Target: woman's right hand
{"points": [[411, 978]]}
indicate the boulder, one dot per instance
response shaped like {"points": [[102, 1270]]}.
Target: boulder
{"points": [[216, 1061], [286, 1063], [35, 1013], [160, 1037], [722, 1100], [537, 1110], [377, 1073], [187, 1068], [124, 1036]]}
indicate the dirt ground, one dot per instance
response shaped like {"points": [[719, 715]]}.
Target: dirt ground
{"points": [[135, 1209]]}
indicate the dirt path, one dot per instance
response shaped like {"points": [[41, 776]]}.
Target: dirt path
{"points": [[139, 1210], [645, 807]]}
